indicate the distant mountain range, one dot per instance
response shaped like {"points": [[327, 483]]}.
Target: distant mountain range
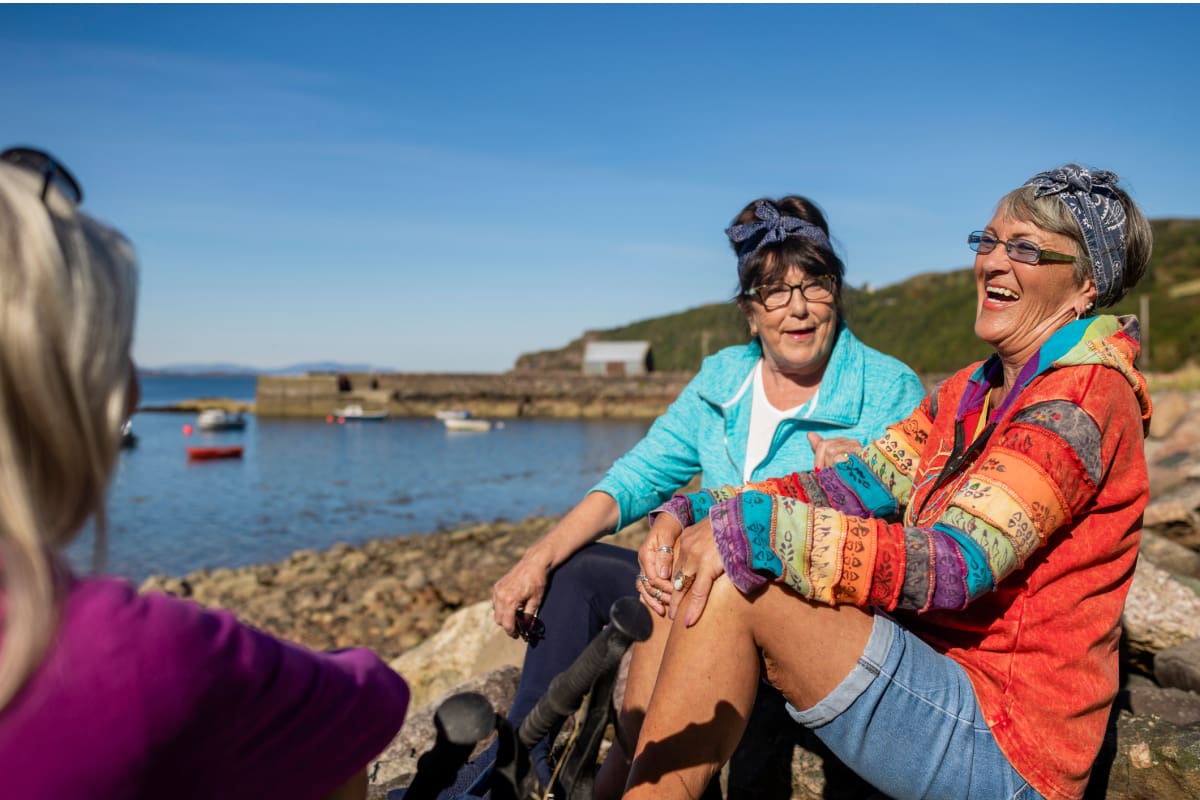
{"points": [[219, 368]]}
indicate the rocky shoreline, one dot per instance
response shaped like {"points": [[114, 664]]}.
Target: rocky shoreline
{"points": [[421, 602], [387, 594]]}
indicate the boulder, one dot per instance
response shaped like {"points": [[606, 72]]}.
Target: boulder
{"points": [[1176, 706], [1179, 666], [1147, 758], [1169, 555], [1171, 514], [1169, 409], [468, 644], [1159, 612]]}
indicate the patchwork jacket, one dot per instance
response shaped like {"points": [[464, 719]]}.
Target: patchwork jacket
{"points": [[1009, 545]]}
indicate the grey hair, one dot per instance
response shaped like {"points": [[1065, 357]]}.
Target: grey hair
{"points": [[68, 289], [1050, 214]]}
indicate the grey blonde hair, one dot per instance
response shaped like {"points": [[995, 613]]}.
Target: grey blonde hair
{"points": [[1050, 214], [67, 304]]}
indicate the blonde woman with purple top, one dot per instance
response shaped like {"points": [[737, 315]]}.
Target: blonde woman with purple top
{"points": [[105, 693]]}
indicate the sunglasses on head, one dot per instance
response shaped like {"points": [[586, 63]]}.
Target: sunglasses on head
{"points": [[53, 173]]}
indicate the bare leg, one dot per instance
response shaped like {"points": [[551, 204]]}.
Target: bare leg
{"points": [[639, 684], [710, 672]]}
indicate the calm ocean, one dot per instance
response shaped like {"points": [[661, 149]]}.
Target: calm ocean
{"points": [[308, 484]]}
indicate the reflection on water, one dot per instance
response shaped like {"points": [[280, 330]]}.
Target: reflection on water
{"points": [[308, 484]]}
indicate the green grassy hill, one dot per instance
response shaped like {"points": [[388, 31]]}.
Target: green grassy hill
{"points": [[927, 320]]}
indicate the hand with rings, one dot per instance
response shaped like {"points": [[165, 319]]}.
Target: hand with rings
{"points": [[699, 566], [828, 452], [655, 557]]}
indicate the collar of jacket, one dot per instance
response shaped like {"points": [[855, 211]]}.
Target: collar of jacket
{"points": [[1105, 340], [840, 400]]}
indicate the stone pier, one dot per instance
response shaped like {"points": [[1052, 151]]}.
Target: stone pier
{"points": [[565, 395]]}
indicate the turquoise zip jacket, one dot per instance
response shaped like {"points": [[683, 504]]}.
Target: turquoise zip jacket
{"points": [[706, 429]]}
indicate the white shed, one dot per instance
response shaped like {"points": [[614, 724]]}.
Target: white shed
{"points": [[616, 358]]}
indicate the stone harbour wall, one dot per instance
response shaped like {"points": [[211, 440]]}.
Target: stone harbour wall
{"points": [[567, 395]]}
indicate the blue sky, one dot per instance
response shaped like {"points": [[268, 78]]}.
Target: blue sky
{"points": [[445, 187]]}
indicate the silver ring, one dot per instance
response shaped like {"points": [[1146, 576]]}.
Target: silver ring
{"points": [[666, 548], [682, 582], [641, 578], [658, 594]]}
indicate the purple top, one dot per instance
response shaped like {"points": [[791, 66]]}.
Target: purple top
{"points": [[152, 696]]}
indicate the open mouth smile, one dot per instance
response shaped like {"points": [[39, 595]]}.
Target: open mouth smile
{"points": [[998, 295]]}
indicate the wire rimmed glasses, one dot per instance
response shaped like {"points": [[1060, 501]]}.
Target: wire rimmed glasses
{"points": [[814, 289], [52, 171], [1021, 250]]}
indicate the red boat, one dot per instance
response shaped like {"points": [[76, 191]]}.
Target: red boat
{"points": [[209, 453]]}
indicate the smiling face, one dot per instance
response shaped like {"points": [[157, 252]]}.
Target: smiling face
{"points": [[1020, 305], [797, 338]]}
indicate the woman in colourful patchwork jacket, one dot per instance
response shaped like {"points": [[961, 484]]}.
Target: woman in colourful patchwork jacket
{"points": [[802, 391], [943, 607]]}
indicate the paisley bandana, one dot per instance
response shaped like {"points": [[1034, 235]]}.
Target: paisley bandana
{"points": [[1091, 200], [770, 227]]}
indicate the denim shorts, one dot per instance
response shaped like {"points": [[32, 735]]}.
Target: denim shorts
{"points": [[906, 720]]}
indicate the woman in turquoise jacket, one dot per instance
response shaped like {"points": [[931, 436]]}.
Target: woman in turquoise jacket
{"points": [[804, 391]]}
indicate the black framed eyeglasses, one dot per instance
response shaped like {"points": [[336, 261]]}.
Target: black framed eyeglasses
{"points": [[53, 173], [1021, 250], [816, 289]]}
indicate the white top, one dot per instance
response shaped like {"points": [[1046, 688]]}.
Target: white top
{"points": [[765, 419]]}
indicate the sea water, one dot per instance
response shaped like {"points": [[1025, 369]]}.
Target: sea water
{"points": [[309, 484]]}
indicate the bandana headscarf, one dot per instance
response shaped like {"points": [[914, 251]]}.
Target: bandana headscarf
{"points": [[1091, 200], [769, 227]]}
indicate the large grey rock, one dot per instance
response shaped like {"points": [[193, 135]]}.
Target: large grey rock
{"points": [[1169, 555], [1179, 666], [1169, 409], [1159, 612], [468, 644], [1176, 706], [1146, 758]]}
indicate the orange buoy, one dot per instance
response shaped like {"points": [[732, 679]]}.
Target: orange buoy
{"points": [[329, 417], [187, 430]]}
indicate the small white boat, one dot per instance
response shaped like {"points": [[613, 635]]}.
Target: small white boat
{"points": [[217, 419], [356, 413], [452, 413], [467, 424], [128, 437]]}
